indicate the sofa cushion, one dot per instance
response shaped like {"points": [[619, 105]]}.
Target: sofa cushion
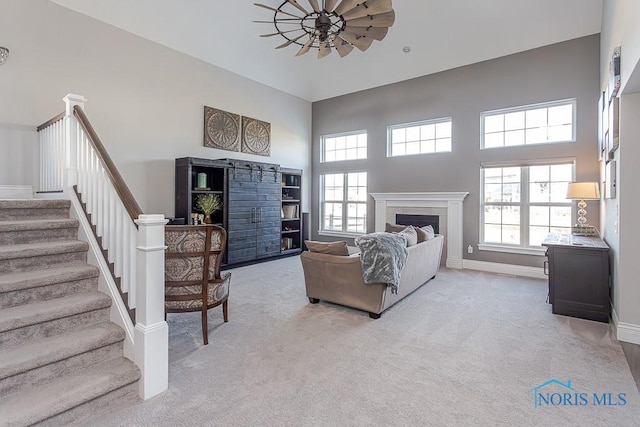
{"points": [[425, 233], [410, 235], [394, 228], [329, 248]]}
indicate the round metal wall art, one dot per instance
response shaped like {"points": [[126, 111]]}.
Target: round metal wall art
{"points": [[222, 129], [256, 137]]}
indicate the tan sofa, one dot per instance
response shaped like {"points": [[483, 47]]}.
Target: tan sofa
{"points": [[338, 279]]}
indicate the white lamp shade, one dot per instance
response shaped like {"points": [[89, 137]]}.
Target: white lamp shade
{"points": [[583, 191]]}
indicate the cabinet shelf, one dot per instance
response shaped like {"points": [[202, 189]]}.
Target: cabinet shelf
{"points": [[291, 230], [207, 192], [290, 251]]}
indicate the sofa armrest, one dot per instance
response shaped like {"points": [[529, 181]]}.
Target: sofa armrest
{"points": [[338, 279]]}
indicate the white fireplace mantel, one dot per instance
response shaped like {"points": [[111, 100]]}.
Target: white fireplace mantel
{"points": [[452, 201]]}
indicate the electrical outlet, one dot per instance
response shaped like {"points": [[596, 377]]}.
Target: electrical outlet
{"points": [[470, 249]]}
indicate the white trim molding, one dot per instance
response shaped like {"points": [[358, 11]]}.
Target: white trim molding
{"points": [[452, 201], [499, 268], [627, 332], [16, 192]]}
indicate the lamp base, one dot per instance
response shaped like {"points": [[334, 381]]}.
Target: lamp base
{"points": [[585, 230]]}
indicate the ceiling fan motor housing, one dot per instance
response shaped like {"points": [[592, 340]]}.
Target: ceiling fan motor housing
{"points": [[332, 24]]}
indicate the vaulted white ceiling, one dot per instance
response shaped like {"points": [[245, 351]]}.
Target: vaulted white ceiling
{"points": [[442, 34]]}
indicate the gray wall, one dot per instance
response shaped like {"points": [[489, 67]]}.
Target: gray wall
{"points": [[560, 71], [620, 28], [144, 100]]}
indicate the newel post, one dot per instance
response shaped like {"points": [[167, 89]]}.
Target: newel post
{"points": [[71, 143], [151, 333]]}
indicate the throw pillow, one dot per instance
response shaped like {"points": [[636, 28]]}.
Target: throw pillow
{"points": [[394, 228], [410, 235], [428, 232], [422, 235], [329, 248]]}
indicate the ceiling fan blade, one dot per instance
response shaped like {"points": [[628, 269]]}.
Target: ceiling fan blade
{"points": [[324, 50], [295, 4], [280, 21], [370, 7], [277, 11], [278, 33], [345, 6], [314, 5], [376, 33], [343, 47], [288, 42], [361, 42], [329, 5], [381, 20], [306, 46]]}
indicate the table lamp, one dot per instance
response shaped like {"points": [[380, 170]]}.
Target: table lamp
{"points": [[583, 191]]}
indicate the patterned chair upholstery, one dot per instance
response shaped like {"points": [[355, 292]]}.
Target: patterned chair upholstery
{"points": [[192, 251]]}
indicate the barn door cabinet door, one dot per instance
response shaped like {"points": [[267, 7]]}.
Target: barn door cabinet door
{"points": [[253, 212]]}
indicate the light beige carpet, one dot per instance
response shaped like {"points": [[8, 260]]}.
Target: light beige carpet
{"points": [[465, 349]]}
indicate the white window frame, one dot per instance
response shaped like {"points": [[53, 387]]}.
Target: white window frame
{"points": [[391, 128], [345, 203], [525, 108], [338, 135], [523, 204]]}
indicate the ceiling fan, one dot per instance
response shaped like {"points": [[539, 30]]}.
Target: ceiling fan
{"points": [[334, 24]]}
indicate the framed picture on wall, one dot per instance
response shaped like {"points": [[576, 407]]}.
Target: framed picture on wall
{"points": [[603, 124], [610, 180], [614, 126]]}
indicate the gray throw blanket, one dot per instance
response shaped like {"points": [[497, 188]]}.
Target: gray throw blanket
{"points": [[383, 256]]}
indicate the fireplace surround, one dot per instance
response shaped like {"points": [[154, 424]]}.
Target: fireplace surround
{"points": [[428, 203]]}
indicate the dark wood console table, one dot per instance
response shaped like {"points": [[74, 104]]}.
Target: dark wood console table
{"points": [[578, 270]]}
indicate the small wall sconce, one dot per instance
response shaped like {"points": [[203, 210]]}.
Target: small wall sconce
{"points": [[4, 54]]}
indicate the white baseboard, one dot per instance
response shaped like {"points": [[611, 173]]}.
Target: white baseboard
{"points": [[16, 192], [627, 332], [495, 267], [454, 263]]}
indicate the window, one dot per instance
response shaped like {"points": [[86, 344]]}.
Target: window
{"points": [[344, 202], [431, 136], [533, 124], [345, 146], [522, 204]]}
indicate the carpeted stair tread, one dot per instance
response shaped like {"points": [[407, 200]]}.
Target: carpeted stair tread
{"points": [[45, 401], [42, 249], [22, 358], [44, 224], [35, 204], [32, 279], [32, 314]]}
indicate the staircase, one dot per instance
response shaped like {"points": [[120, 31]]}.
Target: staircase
{"points": [[61, 358]]}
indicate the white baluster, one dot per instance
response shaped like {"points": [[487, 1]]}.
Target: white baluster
{"points": [[119, 252], [133, 243], [126, 252], [113, 237], [100, 201]]}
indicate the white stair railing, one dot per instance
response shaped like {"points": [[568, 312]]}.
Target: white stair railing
{"points": [[129, 244], [52, 151]]}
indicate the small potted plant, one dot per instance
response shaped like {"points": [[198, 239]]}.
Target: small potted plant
{"points": [[208, 204]]}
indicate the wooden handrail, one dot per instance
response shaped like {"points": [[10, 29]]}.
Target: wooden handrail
{"points": [[51, 121], [123, 191]]}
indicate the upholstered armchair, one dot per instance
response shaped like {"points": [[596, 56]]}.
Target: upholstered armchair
{"points": [[193, 281]]}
